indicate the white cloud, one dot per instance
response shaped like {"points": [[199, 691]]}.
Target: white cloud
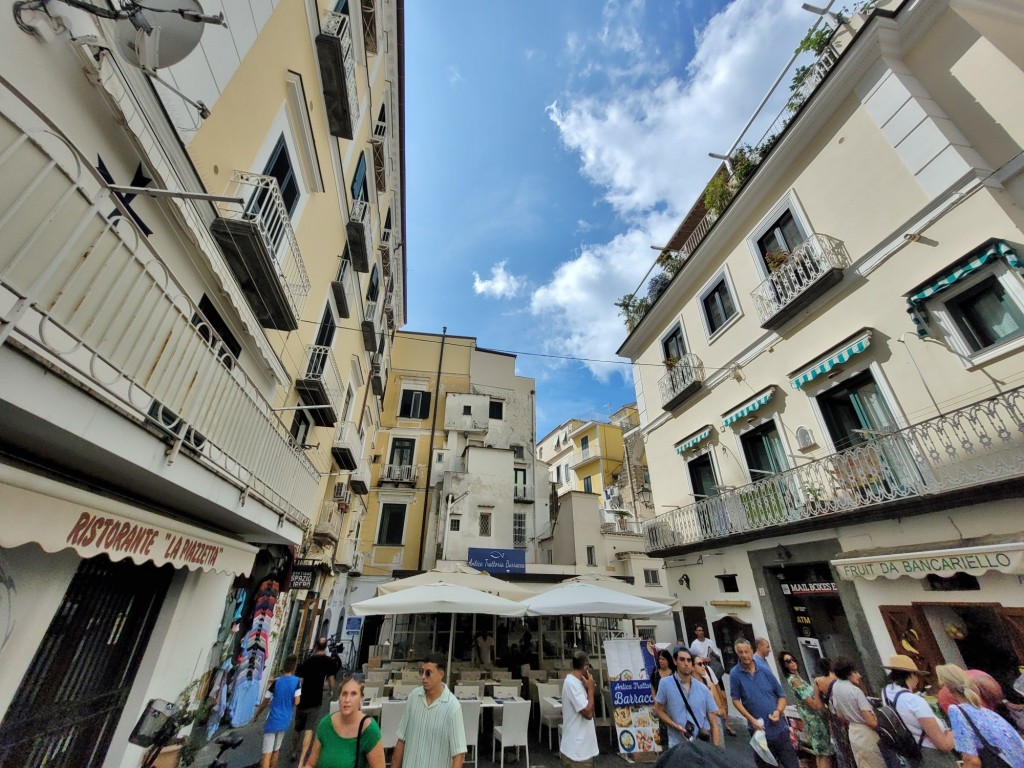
{"points": [[454, 76], [500, 285], [643, 141]]}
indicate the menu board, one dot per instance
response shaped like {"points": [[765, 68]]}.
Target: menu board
{"points": [[632, 702]]}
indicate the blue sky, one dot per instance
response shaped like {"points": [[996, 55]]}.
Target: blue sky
{"points": [[548, 146]]}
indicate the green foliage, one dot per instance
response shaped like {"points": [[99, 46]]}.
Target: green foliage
{"points": [[717, 195], [743, 164], [670, 261], [633, 309], [816, 40]]}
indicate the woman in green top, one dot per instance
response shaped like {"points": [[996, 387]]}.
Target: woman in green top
{"points": [[335, 743], [810, 708]]}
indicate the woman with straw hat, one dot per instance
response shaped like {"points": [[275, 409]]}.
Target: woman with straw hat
{"points": [[935, 738]]}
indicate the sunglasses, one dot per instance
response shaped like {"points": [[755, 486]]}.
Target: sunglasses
{"points": [[698, 663], [789, 661], [426, 672]]}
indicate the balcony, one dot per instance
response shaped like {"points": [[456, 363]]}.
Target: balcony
{"points": [[378, 375], [682, 381], [400, 474], [86, 292], [328, 525], [338, 73], [359, 481], [389, 312], [945, 459], [380, 165], [345, 291], [350, 559], [259, 245], [385, 259], [591, 453], [320, 386], [812, 268], [522, 494], [465, 422], [347, 448], [360, 236], [620, 522], [372, 326]]}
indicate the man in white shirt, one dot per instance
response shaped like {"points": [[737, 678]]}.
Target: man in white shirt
{"points": [[579, 736], [702, 645]]}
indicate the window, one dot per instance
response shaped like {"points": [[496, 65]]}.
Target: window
{"points": [[280, 167], [467, 410], [496, 409], [986, 314], [324, 338], [702, 477], [346, 411], [673, 345], [301, 424], [228, 349], [519, 529], [359, 179], [392, 525], [485, 523], [651, 577], [782, 235], [415, 404], [373, 290], [728, 583], [518, 453], [719, 306], [764, 452], [646, 633], [540, 453], [550, 556], [402, 450], [853, 410], [588, 485], [440, 457], [591, 556], [454, 524]]}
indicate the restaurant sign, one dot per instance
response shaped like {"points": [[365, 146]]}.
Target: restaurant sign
{"points": [[497, 560], [302, 577], [1004, 558]]}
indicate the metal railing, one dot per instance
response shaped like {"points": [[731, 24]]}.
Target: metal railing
{"points": [[971, 446], [85, 289], [625, 524], [328, 525], [803, 267], [265, 208], [399, 473], [522, 492], [347, 436], [339, 25], [681, 374], [698, 234], [591, 452], [321, 367], [360, 214]]}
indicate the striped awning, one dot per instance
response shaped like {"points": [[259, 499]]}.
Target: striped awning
{"points": [[994, 249], [749, 408], [825, 365], [693, 441]]}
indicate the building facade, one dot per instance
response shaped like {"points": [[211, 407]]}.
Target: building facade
{"points": [[197, 228], [828, 388]]}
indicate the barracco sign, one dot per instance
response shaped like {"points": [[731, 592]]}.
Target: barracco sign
{"points": [[1007, 558], [497, 560]]}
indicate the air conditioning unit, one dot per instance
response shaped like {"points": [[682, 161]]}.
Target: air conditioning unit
{"points": [[339, 492]]}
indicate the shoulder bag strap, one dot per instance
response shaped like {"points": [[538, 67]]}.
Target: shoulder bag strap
{"points": [[896, 698], [359, 737], [828, 693], [696, 722], [981, 736]]}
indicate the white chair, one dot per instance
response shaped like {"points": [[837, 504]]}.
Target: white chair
{"points": [[505, 691], [471, 720], [390, 716], [403, 689], [468, 690], [514, 730], [470, 674], [502, 676], [410, 676], [550, 715], [371, 692]]}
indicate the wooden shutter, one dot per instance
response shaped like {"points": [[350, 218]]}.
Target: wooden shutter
{"points": [[911, 635]]}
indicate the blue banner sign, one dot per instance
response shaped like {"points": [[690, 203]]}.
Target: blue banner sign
{"points": [[497, 560], [631, 693], [353, 625]]}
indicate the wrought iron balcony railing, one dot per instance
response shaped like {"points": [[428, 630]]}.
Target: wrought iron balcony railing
{"points": [[972, 446], [522, 493], [684, 377], [399, 473], [360, 236], [338, 73], [348, 446], [320, 385], [328, 525], [809, 269], [86, 290]]}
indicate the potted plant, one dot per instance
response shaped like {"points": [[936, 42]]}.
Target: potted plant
{"points": [[775, 259], [815, 495]]}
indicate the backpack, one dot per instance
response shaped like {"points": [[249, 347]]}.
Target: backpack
{"points": [[893, 733]]}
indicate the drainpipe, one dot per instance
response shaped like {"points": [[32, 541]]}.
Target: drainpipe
{"points": [[430, 458]]}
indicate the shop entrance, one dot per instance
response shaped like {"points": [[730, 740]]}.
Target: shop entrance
{"points": [[70, 699], [816, 613]]}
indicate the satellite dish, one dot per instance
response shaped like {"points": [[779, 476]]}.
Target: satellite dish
{"points": [[153, 40]]}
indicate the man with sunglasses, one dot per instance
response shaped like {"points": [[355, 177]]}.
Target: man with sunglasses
{"points": [[432, 733], [685, 705]]}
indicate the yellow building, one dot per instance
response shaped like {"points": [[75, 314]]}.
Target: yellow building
{"points": [[829, 386], [202, 264]]}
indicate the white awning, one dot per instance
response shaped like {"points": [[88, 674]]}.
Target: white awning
{"points": [[975, 557], [57, 516]]}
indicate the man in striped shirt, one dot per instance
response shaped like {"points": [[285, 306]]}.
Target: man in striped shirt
{"points": [[431, 734]]}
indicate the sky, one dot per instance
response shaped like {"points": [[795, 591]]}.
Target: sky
{"points": [[549, 145]]}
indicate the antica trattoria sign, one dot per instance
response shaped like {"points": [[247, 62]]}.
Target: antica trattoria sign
{"points": [[116, 536], [976, 561]]}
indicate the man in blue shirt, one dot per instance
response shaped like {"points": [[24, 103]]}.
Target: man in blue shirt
{"points": [[282, 698], [673, 697], [758, 697]]}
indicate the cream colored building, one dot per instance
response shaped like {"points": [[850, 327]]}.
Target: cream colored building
{"points": [[190, 379], [828, 389]]}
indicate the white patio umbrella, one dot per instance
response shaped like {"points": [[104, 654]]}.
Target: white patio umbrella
{"points": [[461, 575], [582, 599], [439, 597], [621, 586]]}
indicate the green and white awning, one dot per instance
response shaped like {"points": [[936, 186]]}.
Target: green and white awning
{"points": [[749, 408], [694, 441], [857, 346], [989, 251]]}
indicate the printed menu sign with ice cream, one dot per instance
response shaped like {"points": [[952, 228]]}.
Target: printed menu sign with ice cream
{"points": [[632, 702]]}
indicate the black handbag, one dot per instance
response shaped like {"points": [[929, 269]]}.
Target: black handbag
{"points": [[704, 734], [990, 756]]}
